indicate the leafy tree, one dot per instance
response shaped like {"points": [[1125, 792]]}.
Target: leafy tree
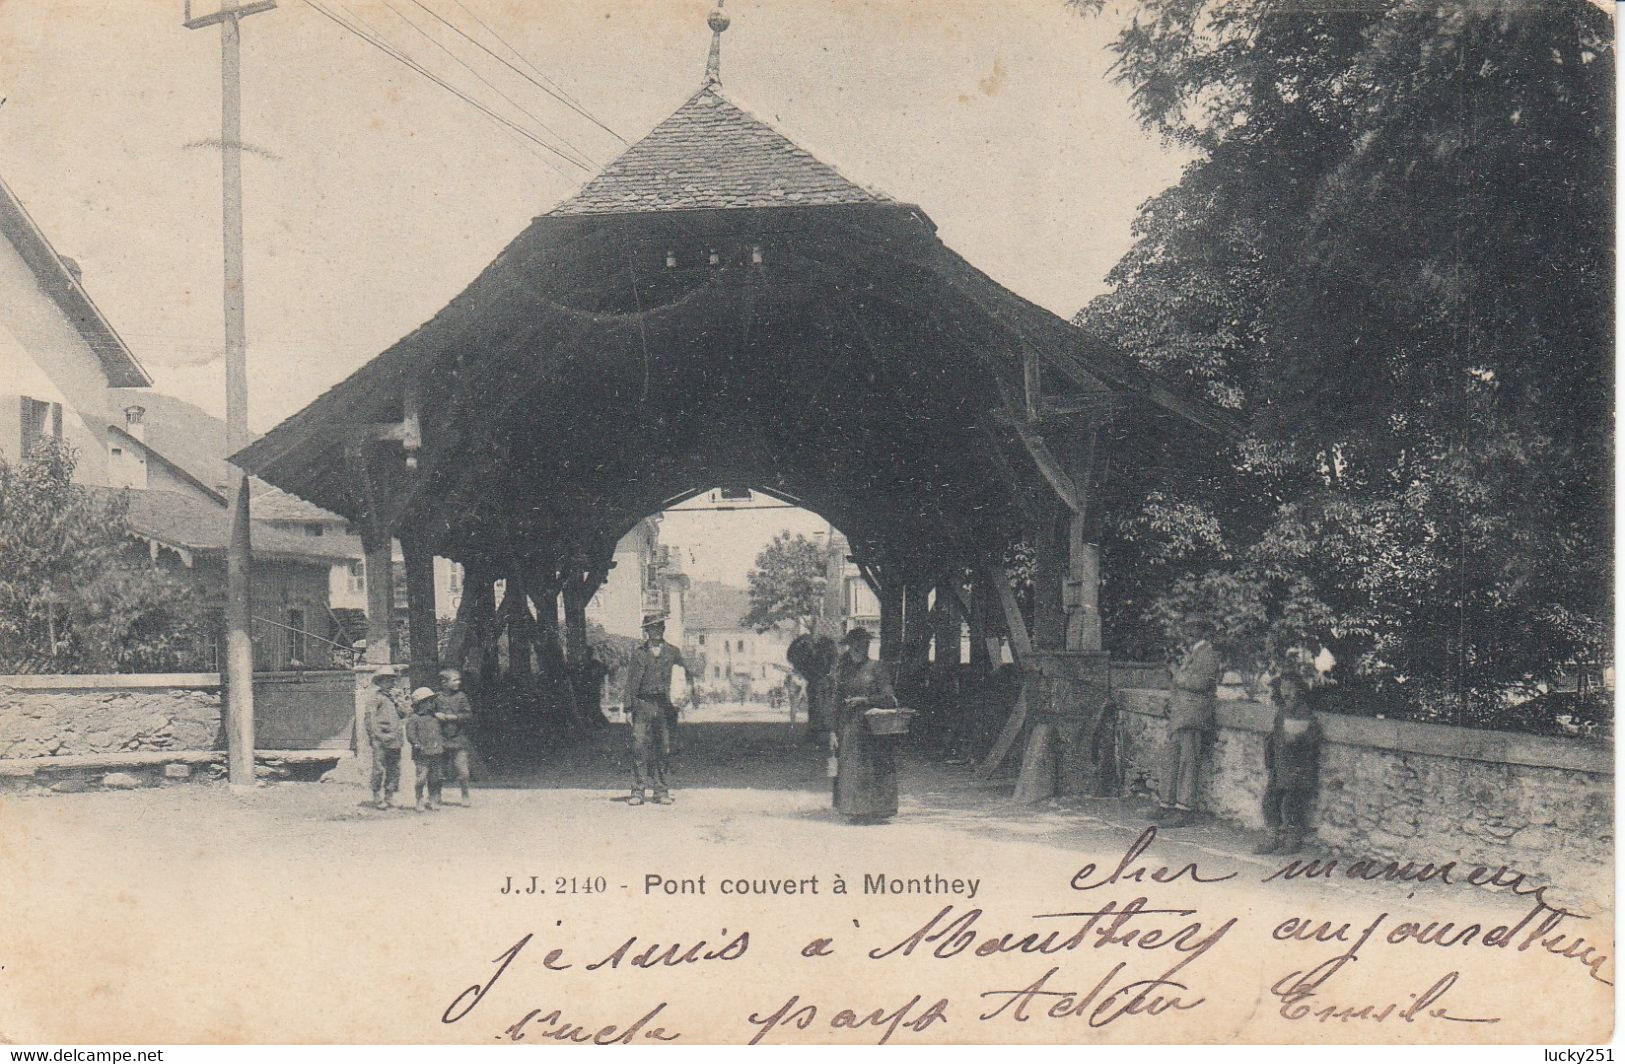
{"points": [[786, 584], [1392, 254], [75, 595]]}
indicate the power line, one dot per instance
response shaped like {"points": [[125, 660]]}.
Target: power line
{"points": [[383, 42], [556, 94], [400, 57], [583, 158], [517, 54]]}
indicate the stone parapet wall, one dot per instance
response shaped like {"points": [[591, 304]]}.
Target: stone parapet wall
{"points": [[69, 716], [1402, 790], [54, 716]]}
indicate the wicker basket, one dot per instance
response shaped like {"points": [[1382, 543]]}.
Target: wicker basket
{"points": [[884, 720]]}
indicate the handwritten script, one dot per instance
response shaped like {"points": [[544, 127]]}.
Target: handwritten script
{"points": [[1152, 944]]}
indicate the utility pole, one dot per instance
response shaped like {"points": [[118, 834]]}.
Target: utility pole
{"points": [[239, 604]]}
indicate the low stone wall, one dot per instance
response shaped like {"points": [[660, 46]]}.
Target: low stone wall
{"points": [[97, 716], [54, 716], [1401, 790]]}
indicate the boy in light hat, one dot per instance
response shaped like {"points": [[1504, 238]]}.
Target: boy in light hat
{"points": [[381, 720], [428, 749]]}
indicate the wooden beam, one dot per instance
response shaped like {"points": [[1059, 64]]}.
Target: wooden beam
{"points": [[1020, 641], [1013, 725], [1032, 380], [1051, 468]]}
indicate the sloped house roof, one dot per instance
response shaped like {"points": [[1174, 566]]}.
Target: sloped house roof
{"points": [[193, 527], [710, 606], [61, 283]]}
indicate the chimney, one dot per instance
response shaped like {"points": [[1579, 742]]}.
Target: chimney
{"points": [[135, 421]]}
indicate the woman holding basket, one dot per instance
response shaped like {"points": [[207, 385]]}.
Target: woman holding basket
{"points": [[865, 757]]}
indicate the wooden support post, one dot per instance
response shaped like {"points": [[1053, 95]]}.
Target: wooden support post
{"points": [[916, 648], [891, 621], [984, 654], [1049, 575], [520, 627], [558, 691], [1083, 557], [473, 616], [422, 626], [577, 592], [378, 564], [946, 633], [379, 573]]}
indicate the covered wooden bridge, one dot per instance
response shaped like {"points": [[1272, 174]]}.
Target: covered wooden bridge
{"points": [[719, 307]]}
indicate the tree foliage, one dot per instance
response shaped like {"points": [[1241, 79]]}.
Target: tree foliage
{"points": [[786, 584], [1392, 254], [75, 596]]}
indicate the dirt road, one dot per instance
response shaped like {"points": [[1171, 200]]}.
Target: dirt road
{"points": [[295, 913]]}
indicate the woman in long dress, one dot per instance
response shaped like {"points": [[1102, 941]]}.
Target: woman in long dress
{"points": [[866, 764]]}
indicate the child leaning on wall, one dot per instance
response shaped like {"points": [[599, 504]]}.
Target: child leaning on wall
{"points": [[1292, 764]]}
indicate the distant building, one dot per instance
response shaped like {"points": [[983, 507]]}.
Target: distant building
{"points": [[647, 578], [732, 653], [860, 606]]}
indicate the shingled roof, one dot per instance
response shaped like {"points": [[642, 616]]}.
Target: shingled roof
{"points": [[189, 524], [711, 154]]}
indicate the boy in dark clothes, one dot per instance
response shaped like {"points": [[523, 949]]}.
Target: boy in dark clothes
{"points": [[428, 749], [1292, 761], [456, 718]]}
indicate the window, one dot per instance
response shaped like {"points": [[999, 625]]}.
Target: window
{"points": [[716, 672], [355, 577], [314, 528], [701, 638], [117, 451], [39, 421], [454, 578], [741, 646], [296, 635]]}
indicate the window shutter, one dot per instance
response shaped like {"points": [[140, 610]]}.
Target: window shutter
{"points": [[32, 424]]}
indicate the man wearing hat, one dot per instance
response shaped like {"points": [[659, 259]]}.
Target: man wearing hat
{"points": [[381, 719], [1192, 704], [648, 700]]}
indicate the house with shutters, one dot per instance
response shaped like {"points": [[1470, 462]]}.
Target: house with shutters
{"points": [[66, 374], [60, 358]]}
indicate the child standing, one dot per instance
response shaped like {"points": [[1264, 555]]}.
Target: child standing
{"points": [[428, 749], [1292, 762], [382, 723], [456, 717]]}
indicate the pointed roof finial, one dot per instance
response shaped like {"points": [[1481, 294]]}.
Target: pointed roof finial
{"points": [[713, 63]]}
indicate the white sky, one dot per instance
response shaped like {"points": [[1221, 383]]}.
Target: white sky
{"points": [[380, 195]]}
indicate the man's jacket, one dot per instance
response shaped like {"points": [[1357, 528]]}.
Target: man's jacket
{"points": [[1191, 704], [648, 678]]}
